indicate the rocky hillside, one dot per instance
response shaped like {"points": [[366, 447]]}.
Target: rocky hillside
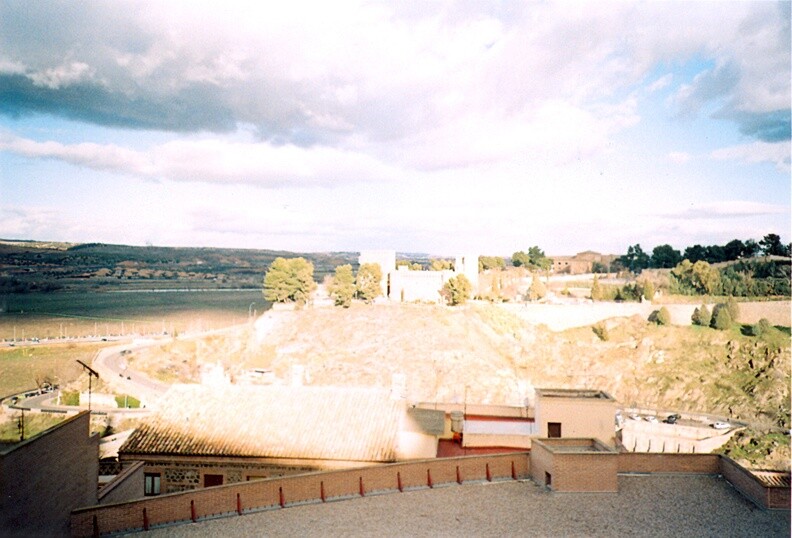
{"points": [[484, 353]]}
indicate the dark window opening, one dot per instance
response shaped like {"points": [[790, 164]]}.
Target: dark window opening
{"points": [[213, 480], [152, 483], [548, 479], [554, 429]]}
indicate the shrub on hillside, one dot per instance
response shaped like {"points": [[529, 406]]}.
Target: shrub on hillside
{"points": [[661, 317], [601, 331], [721, 319], [702, 316], [734, 309], [648, 291], [761, 327]]}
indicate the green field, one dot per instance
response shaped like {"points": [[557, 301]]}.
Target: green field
{"points": [[66, 314], [22, 367]]}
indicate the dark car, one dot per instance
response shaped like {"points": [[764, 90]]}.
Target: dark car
{"points": [[672, 419]]}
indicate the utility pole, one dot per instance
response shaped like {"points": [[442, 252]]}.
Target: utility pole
{"points": [[91, 374]]}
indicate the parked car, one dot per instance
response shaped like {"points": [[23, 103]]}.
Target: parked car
{"points": [[720, 425], [672, 419], [635, 416], [651, 418]]}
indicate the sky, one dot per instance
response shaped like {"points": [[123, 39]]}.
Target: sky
{"points": [[439, 127]]}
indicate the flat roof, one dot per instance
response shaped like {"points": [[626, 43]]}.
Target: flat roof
{"points": [[574, 393], [583, 445]]}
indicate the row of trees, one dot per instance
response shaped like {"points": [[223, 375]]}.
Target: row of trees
{"points": [[291, 281], [747, 278], [666, 257], [344, 286], [533, 259]]}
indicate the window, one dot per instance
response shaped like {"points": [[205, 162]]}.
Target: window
{"points": [[213, 480], [152, 483], [554, 429]]}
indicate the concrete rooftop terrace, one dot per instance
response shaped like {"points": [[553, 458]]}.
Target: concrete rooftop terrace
{"points": [[659, 505]]}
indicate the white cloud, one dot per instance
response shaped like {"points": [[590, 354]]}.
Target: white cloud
{"points": [[777, 153], [660, 83], [215, 161], [62, 75]]}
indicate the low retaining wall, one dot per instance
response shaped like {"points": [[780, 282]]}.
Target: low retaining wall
{"points": [[282, 492]]}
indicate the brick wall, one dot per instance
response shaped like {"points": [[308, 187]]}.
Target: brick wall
{"points": [[635, 462], [574, 471], [44, 478], [587, 472], [272, 493]]}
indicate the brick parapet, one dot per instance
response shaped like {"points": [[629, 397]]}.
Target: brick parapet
{"points": [[311, 487], [767, 497]]}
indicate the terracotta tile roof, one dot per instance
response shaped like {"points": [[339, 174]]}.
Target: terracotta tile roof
{"points": [[351, 424]]}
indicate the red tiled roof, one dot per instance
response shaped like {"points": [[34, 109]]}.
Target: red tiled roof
{"points": [[350, 424]]}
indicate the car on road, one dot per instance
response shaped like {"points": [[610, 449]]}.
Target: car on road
{"points": [[635, 416], [672, 419], [651, 418], [720, 425]]}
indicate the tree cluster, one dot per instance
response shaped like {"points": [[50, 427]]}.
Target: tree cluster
{"points": [[289, 280], [666, 257], [345, 286], [441, 265], [534, 259], [491, 262], [746, 278], [722, 317]]}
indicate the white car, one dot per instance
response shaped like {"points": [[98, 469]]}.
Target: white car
{"points": [[720, 425], [634, 416], [651, 418]]}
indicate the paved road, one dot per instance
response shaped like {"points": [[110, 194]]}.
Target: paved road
{"points": [[112, 366]]}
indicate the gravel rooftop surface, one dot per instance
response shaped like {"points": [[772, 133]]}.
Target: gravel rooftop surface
{"points": [[666, 505]]}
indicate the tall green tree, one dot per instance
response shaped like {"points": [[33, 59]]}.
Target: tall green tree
{"points": [[456, 290], [636, 260], [533, 259], [368, 282], [521, 259], [289, 280], [665, 257], [771, 246], [342, 286], [538, 258]]}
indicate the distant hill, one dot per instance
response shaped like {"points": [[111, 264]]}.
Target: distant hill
{"points": [[48, 266]]}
